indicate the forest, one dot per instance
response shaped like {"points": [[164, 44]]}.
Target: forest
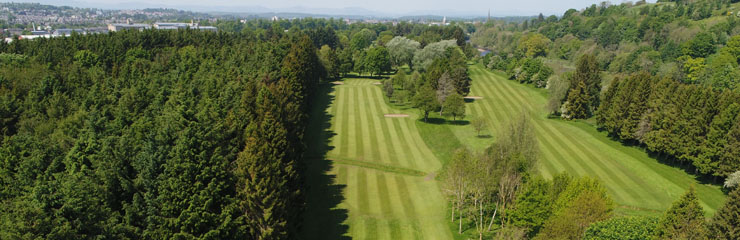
{"points": [[155, 134]]}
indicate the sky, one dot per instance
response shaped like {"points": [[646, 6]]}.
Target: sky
{"points": [[399, 7]]}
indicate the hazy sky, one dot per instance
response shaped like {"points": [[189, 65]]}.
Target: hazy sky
{"points": [[477, 7]]}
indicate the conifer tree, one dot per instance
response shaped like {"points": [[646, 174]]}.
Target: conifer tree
{"points": [[263, 175], [587, 71], [578, 102], [726, 222], [730, 159], [684, 220]]}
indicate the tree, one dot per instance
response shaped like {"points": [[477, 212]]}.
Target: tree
{"points": [[425, 57], [479, 124], [402, 51], [729, 161], [377, 60], [726, 222], [533, 206], [701, 46], [362, 39], [571, 223], [587, 71], [683, 220], [426, 100], [330, 62], [445, 88], [454, 106], [456, 179], [533, 45], [627, 228], [399, 79], [388, 88], [578, 102], [345, 62]]}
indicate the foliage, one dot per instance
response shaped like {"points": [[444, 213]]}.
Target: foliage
{"points": [[726, 222], [479, 124], [155, 135], [533, 206], [683, 220], [733, 180], [627, 228], [533, 45], [426, 100], [388, 88], [424, 57], [454, 105], [402, 51], [578, 102], [377, 60]]}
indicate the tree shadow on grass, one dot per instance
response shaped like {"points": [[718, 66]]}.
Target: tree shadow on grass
{"points": [[440, 121], [459, 122], [322, 218]]}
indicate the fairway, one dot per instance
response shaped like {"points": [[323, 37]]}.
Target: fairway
{"points": [[639, 184], [384, 167]]}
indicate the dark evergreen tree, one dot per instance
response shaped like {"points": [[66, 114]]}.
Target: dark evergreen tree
{"points": [[683, 220], [726, 222]]}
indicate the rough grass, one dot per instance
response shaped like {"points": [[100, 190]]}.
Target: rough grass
{"points": [[638, 183]]}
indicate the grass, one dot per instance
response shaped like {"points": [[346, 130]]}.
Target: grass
{"points": [[372, 177], [383, 167], [637, 182]]}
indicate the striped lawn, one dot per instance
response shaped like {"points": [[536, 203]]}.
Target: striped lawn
{"points": [[638, 183], [383, 203]]}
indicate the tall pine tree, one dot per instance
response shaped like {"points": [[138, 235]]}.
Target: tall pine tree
{"points": [[578, 102], [726, 222], [684, 220]]}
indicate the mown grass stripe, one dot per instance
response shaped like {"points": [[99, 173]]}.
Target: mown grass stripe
{"points": [[366, 139], [340, 121], [596, 165], [406, 142], [379, 132], [622, 176], [487, 103], [352, 125], [574, 150], [622, 195], [585, 165], [428, 160], [400, 207]]}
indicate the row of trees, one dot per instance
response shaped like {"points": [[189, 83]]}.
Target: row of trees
{"points": [[154, 135], [692, 124]]}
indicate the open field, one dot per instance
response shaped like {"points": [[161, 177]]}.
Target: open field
{"points": [[381, 167], [638, 183]]}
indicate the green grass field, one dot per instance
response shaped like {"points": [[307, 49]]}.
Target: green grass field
{"points": [[638, 183], [384, 167], [372, 177]]}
